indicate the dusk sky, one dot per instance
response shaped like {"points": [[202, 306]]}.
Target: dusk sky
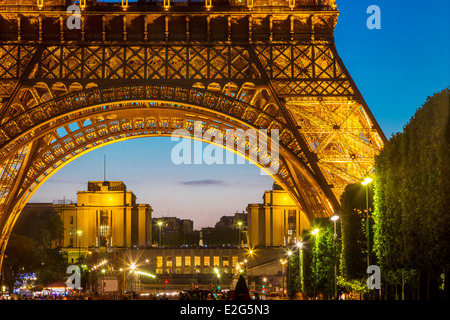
{"points": [[395, 68]]}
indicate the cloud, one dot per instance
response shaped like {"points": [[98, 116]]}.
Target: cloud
{"points": [[206, 182]]}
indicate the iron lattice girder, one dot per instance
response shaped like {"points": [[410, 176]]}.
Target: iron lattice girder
{"points": [[101, 100], [230, 69], [132, 121], [301, 71], [61, 67]]}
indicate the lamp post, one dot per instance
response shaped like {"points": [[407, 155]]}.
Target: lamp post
{"points": [[133, 268], [282, 261], [160, 225], [250, 266], [299, 246], [216, 270], [79, 233], [239, 224], [289, 253], [315, 232], [366, 183], [334, 219]]}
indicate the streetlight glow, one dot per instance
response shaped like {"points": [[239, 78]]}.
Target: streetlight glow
{"points": [[335, 217], [315, 231], [366, 181]]}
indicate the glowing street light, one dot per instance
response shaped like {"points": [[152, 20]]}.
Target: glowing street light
{"points": [[239, 224], [289, 253], [366, 181], [282, 261], [160, 223], [79, 233]]}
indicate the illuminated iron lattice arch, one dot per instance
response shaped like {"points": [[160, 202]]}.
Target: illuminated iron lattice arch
{"points": [[136, 71], [87, 119]]}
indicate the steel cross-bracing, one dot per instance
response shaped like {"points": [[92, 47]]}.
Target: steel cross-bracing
{"points": [[147, 69]]}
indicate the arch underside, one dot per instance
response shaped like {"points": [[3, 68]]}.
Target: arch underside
{"points": [[88, 119], [67, 107]]}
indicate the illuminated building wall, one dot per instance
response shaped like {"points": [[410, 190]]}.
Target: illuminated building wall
{"points": [[275, 222], [107, 217]]}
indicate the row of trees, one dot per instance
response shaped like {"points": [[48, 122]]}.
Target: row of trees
{"points": [[411, 200], [32, 249], [210, 237], [409, 220]]}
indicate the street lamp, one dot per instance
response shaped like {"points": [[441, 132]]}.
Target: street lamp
{"points": [[335, 218], [299, 246], [282, 261], [79, 233], [239, 224], [250, 265], [315, 232], [133, 268], [366, 183], [216, 270], [160, 223]]}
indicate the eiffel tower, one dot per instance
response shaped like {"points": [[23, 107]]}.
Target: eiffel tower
{"points": [[147, 68]]}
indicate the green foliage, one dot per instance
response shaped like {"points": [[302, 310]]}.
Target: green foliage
{"points": [[354, 232], [221, 236], [412, 219], [352, 285], [45, 228], [318, 257], [29, 249]]}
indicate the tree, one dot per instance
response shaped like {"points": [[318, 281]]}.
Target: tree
{"points": [[354, 236], [22, 257], [46, 228], [412, 220], [317, 260]]}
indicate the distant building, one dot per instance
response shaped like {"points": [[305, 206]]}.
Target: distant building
{"points": [[104, 218], [174, 224], [225, 222], [232, 221], [277, 221]]}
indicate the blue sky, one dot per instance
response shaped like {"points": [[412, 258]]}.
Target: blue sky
{"points": [[395, 68]]}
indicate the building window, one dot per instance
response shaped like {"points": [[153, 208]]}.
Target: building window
{"points": [[206, 261], [216, 261], [178, 262], [234, 261], [168, 262], [104, 228], [187, 261], [197, 261], [292, 226], [159, 262], [225, 262], [291, 219], [71, 219]]}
